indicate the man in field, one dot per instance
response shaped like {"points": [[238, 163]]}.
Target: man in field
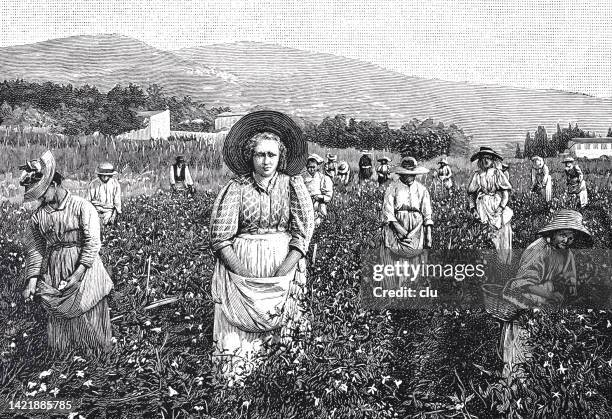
{"points": [[180, 177], [105, 194], [365, 167]]}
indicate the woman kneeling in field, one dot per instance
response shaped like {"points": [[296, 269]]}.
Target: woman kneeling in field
{"points": [[63, 264], [547, 275], [261, 225]]}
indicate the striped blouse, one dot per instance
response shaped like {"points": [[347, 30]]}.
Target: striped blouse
{"points": [[75, 221]]}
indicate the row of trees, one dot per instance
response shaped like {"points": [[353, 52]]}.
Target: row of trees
{"points": [[541, 145], [420, 139], [85, 110]]}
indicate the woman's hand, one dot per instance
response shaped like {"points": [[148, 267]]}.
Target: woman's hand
{"points": [[30, 290], [401, 232], [289, 263]]}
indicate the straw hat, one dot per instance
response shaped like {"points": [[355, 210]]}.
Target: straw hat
{"points": [[180, 159], [443, 161], [566, 219], [264, 121], [37, 176], [318, 159], [384, 158], [106, 169], [343, 168], [331, 157], [568, 160], [409, 167], [486, 151]]}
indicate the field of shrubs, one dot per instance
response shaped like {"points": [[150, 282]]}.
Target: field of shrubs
{"points": [[352, 362]]}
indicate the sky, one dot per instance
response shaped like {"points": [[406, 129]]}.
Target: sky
{"points": [[554, 44]]}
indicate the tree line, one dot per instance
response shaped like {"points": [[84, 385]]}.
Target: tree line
{"points": [[540, 144], [74, 110], [420, 139]]}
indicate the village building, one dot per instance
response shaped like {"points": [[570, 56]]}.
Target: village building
{"points": [[226, 120], [591, 148]]}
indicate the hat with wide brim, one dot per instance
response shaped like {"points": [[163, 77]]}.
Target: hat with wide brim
{"points": [[566, 219], [409, 166], [331, 157], [47, 170], [567, 160], [314, 156], [106, 169], [343, 168], [443, 161], [486, 151], [384, 158], [258, 122]]}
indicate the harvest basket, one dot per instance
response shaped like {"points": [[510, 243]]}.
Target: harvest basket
{"points": [[496, 305]]}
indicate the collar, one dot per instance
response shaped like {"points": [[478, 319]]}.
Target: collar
{"points": [[62, 205], [263, 188]]}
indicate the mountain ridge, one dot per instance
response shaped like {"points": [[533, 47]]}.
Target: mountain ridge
{"points": [[307, 84]]}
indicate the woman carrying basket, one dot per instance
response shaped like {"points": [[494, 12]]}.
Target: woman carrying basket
{"points": [[261, 225], [546, 275]]}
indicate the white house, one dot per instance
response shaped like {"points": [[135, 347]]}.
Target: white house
{"points": [[227, 119], [158, 126], [591, 148]]}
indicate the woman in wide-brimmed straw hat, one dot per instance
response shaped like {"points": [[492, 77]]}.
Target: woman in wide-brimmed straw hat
{"points": [[63, 265], [382, 171], [546, 275], [445, 174], [576, 185], [319, 185], [260, 229], [365, 167], [344, 173], [406, 216], [541, 181], [105, 194], [489, 191]]}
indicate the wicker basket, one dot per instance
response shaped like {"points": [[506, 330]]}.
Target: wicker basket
{"points": [[496, 305]]}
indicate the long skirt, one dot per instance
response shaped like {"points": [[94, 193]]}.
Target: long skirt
{"points": [[81, 319], [514, 348], [237, 351], [90, 331]]}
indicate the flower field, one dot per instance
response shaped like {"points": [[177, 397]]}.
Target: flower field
{"points": [[350, 363]]}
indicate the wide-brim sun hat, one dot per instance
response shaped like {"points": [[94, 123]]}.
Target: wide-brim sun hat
{"points": [[343, 168], [409, 166], [486, 151], [314, 156], [258, 122], [384, 158], [106, 169], [331, 157], [45, 166], [567, 160], [566, 219], [443, 161]]}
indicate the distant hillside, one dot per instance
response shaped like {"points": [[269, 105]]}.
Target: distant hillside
{"points": [[310, 85]]}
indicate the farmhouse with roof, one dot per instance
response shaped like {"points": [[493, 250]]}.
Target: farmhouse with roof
{"points": [[591, 148]]}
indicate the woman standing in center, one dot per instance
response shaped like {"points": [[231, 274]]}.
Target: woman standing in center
{"points": [[261, 225], [489, 191]]}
